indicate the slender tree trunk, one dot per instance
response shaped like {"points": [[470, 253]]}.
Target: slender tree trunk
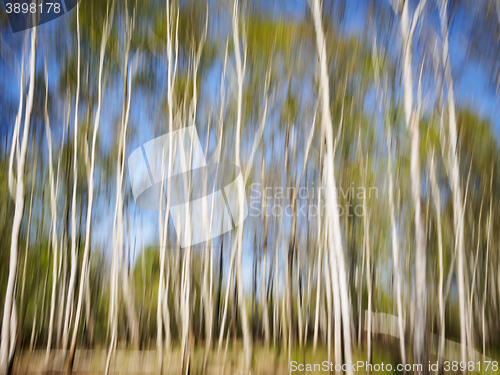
{"points": [[113, 302], [290, 254], [217, 153], [337, 313], [207, 301], [334, 240], [321, 246], [64, 242], [300, 299], [53, 210], [395, 256], [219, 289], [28, 235], [275, 292], [392, 209], [318, 294], [366, 219], [360, 298], [489, 224], [86, 251], [35, 315], [9, 320], [240, 73], [163, 222], [64, 266], [74, 256], [307, 302], [119, 263], [226, 301], [412, 118], [328, 292], [456, 190], [42, 310], [263, 268]]}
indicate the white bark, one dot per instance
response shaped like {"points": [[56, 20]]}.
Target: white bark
{"points": [[216, 155], [276, 322], [335, 238], [328, 292], [26, 250], [454, 175], [172, 56], [15, 148], [53, 210], [86, 251], [332, 279], [240, 74], [395, 256], [62, 269], [321, 246], [392, 209], [489, 225], [161, 290], [226, 301], [437, 207], [9, 326], [74, 260], [412, 118], [119, 263], [318, 301], [162, 304], [263, 268], [366, 236]]}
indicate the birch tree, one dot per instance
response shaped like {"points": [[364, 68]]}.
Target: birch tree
{"points": [[118, 260], [263, 268], [74, 256], [454, 176], [20, 148], [90, 176], [383, 99], [412, 120], [54, 192], [240, 76], [335, 237]]}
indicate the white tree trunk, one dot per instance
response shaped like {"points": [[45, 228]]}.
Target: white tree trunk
{"points": [[318, 295], [74, 255], [366, 236], [86, 251], [53, 210], [335, 238], [454, 175], [489, 224], [412, 118], [8, 336], [395, 256], [118, 261], [328, 292], [240, 74], [226, 300], [263, 268]]}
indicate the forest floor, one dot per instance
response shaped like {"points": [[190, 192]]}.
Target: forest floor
{"points": [[230, 361], [266, 361]]}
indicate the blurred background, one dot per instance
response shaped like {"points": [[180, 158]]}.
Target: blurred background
{"points": [[367, 137]]}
